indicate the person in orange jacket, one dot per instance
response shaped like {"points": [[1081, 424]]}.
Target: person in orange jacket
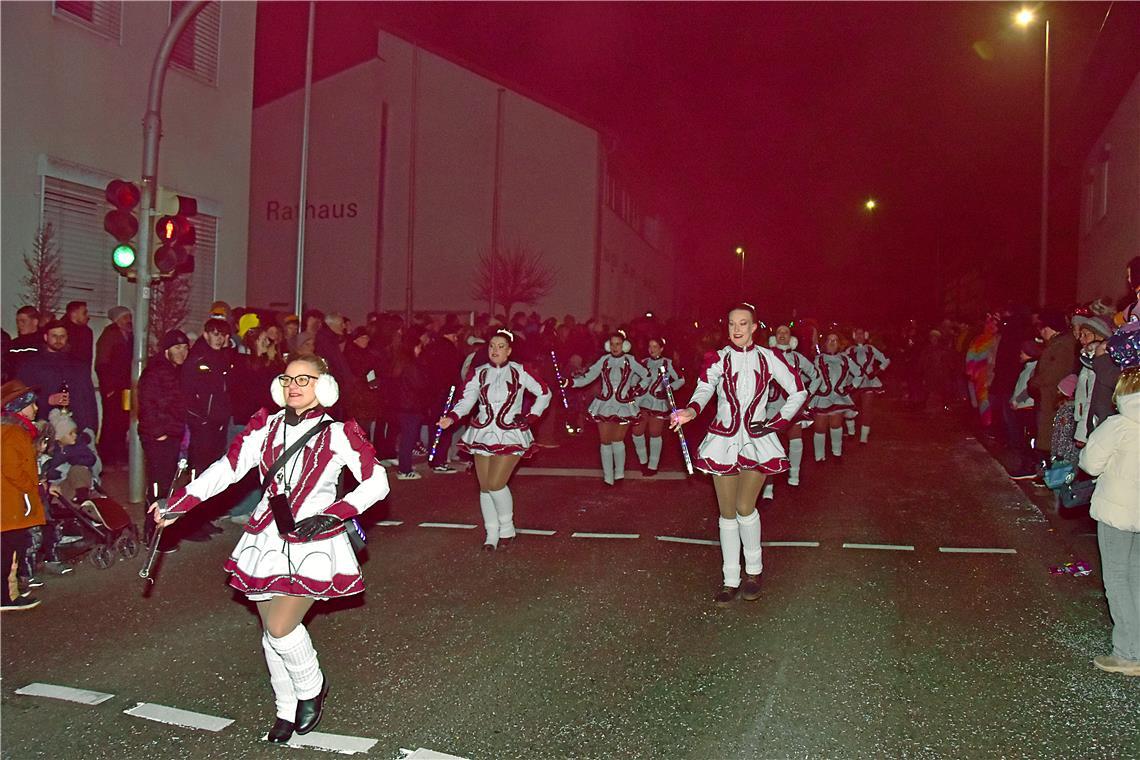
{"points": [[20, 505]]}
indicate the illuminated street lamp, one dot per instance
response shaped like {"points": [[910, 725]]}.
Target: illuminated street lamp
{"points": [[870, 204], [1025, 18], [740, 253]]}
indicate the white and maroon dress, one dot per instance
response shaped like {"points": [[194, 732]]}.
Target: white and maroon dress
{"points": [[493, 396], [837, 377], [654, 400], [740, 378], [869, 362], [808, 375], [264, 563], [621, 380]]}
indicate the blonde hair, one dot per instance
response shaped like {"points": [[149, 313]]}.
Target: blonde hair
{"points": [[1127, 384]]}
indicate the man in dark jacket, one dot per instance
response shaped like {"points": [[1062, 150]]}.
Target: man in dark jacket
{"points": [[80, 339], [113, 353], [327, 344], [441, 361], [162, 411], [62, 380], [206, 378], [1058, 359]]}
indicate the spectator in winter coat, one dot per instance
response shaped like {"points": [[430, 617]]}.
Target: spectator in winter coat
{"points": [[1021, 420], [113, 352], [27, 341], [207, 375], [328, 341], [441, 362], [20, 506], [63, 380], [80, 339], [162, 410], [411, 403], [1113, 454], [1058, 359], [70, 461], [1091, 331], [364, 366]]}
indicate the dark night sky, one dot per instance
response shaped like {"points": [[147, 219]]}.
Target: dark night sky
{"points": [[767, 125]]}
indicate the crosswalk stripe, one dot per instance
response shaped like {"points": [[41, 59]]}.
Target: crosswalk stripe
{"points": [[462, 526], [390, 523], [176, 717], [974, 550], [605, 535], [66, 693], [535, 532], [790, 543], [885, 547], [345, 745], [683, 540]]}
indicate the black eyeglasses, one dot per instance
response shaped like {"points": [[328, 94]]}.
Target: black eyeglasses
{"points": [[300, 380]]}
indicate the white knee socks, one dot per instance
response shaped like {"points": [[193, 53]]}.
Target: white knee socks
{"points": [[619, 459], [864, 431], [730, 551], [850, 426], [300, 659], [750, 538], [607, 450], [279, 679], [820, 441], [769, 491], [505, 509], [490, 517], [654, 451], [836, 442], [639, 446], [795, 456]]}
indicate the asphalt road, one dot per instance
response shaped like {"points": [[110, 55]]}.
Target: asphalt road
{"points": [[583, 647]]}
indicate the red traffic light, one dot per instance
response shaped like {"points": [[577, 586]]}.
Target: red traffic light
{"points": [[174, 229], [122, 194], [121, 225]]}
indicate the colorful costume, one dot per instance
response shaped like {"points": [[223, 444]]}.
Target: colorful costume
{"points": [[495, 396]]}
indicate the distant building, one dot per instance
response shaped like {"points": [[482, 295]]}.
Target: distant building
{"points": [[74, 90], [416, 166]]}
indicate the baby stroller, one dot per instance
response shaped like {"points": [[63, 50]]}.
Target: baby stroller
{"points": [[104, 524]]}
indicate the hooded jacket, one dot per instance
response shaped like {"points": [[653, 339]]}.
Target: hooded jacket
{"points": [[1113, 454]]}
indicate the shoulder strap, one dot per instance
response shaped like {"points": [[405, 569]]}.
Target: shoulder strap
{"points": [[293, 449]]}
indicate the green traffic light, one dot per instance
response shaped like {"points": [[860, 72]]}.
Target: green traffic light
{"points": [[123, 256]]}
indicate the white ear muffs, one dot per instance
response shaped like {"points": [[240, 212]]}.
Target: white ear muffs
{"points": [[771, 341], [793, 343], [328, 392], [625, 346], [277, 393]]}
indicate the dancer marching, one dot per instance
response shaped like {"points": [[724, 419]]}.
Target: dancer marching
{"points": [[832, 402], [498, 434], [615, 404], [295, 549], [741, 449], [654, 406], [784, 345], [869, 362]]}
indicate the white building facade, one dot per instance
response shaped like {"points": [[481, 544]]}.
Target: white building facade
{"points": [[416, 165], [74, 91]]}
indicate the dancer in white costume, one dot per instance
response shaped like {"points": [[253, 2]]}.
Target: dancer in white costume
{"points": [[832, 403], [784, 344], [614, 406], [654, 405], [498, 434], [870, 362], [285, 571], [741, 448]]}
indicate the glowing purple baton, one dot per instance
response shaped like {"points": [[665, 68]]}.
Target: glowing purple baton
{"points": [[673, 410], [439, 428], [558, 376]]}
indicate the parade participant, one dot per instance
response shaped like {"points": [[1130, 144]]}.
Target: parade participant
{"points": [[498, 433], [741, 449], [654, 406], [614, 406], [869, 362], [784, 345], [295, 549], [832, 403]]}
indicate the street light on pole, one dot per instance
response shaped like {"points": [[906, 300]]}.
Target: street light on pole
{"points": [[1025, 18], [740, 253]]}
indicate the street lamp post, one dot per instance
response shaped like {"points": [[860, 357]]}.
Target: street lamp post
{"points": [[1024, 18], [740, 253]]}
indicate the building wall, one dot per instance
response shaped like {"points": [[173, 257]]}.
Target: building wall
{"points": [[1110, 204], [361, 135], [78, 99]]}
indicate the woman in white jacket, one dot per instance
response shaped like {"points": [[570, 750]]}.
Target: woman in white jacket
{"points": [[1113, 454]]}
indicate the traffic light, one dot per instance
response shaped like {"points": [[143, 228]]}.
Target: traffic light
{"points": [[122, 224], [176, 236]]}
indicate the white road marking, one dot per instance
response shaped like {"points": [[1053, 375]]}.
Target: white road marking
{"points": [[427, 754], [790, 543], [535, 532], [389, 523], [463, 526], [576, 472], [176, 717], [345, 745], [682, 540], [605, 535], [885, 547], [974, 550], [66, 693]]}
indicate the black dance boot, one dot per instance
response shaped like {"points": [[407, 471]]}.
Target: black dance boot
{"points": [[281, 731], [309, 710]]}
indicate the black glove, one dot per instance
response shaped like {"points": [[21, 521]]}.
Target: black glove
{"points": [[314, 525]]}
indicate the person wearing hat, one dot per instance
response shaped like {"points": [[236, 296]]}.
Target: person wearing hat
{"points": [[21, 508], [162, 413], [1058, 359], [1092, 331], [113, 353]]}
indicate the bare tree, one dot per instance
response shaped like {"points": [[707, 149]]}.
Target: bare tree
{"points": [[169, 306], [44, 280], [515, 274]]}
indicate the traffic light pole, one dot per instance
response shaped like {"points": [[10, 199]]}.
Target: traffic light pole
{"points": [[144, 269]]}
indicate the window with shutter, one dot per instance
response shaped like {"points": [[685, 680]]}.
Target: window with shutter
{"points": [[104, 17], [196, 50], [202, 280]]}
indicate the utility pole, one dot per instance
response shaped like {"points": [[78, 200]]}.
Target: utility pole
{"points": [[144, 269]]}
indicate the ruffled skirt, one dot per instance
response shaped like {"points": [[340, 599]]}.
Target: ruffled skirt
{"points": [[264, 565]]}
